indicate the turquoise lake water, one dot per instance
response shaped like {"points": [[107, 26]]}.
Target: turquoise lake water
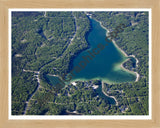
{"points": [[105, 65]]}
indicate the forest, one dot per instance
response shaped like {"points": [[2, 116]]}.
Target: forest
{"points": [[46, 43]]}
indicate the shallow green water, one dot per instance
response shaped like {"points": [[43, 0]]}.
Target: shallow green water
{"points": [[105, 65]]}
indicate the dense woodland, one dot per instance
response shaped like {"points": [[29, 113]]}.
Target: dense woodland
{"points": [[47, 42]]}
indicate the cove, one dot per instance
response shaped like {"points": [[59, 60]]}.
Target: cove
{"points": [[105, 66]]}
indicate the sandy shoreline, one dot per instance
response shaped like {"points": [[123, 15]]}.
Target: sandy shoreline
{"points": [[130, 71], [108, 95], [136, 59], [123, 53]]}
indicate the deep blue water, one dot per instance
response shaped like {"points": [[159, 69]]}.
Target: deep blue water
{"points": [[105, 65]]}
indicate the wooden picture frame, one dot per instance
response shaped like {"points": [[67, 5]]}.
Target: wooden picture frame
{"points": [[4, 68]]}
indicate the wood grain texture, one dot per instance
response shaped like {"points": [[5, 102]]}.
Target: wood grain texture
{"points": [[6, 4]]}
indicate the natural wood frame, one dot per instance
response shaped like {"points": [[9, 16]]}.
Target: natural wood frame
{"points": [[6, 4]]}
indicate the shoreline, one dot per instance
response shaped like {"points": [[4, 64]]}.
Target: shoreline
{"points": [[137, 78], [108, 95], [114, 42], [137, 61]]}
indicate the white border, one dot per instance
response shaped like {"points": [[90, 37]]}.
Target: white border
{"points": [[93, 117]]}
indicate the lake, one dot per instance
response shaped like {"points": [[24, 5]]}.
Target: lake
{"points": [[106, 65]]}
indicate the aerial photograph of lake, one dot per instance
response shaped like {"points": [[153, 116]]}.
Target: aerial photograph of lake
{"points": [[77, 63]]}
